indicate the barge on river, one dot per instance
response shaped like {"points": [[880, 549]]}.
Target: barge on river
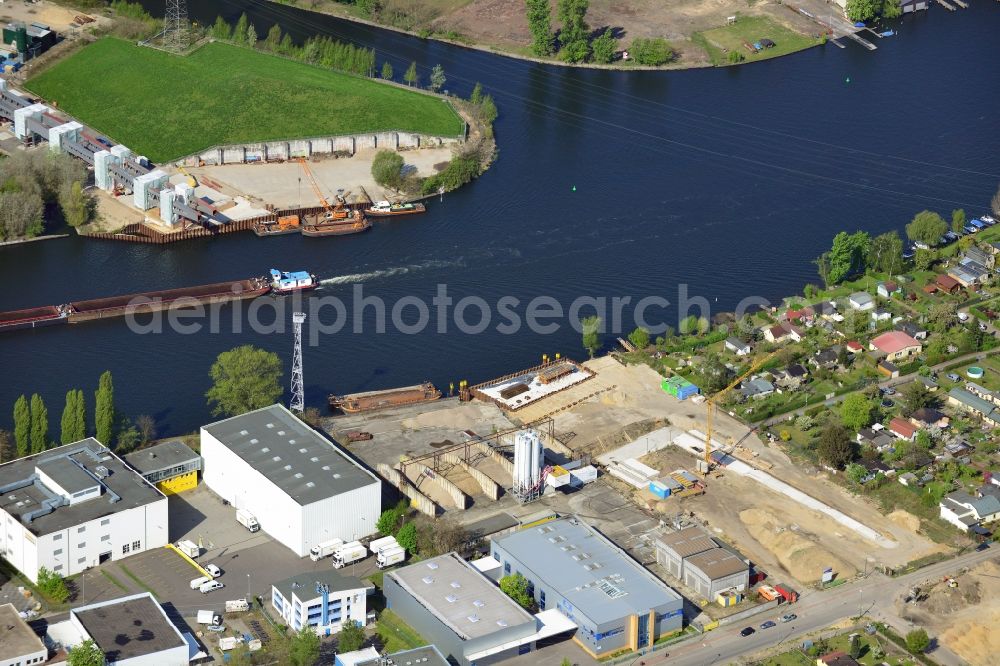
{"points": [[386, 209], [372, 400], [324, 225]]}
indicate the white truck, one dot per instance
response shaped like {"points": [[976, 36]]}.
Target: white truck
{"points": [[349, 552], [237, 606], [389, 556], [321, 550], [209, 617], [380, 544], [189, 548], [247, 520]]}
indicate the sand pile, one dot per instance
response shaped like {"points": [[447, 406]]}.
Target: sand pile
{"points": [[456, 418], [976, 639], [905, 519], [802, 557]]}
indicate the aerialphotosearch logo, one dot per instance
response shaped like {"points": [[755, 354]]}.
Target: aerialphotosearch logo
{"points": [[363, 313]]}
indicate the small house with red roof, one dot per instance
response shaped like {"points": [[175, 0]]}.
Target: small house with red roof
{"points": [[903, 429], [896, 345], [947, 284]]}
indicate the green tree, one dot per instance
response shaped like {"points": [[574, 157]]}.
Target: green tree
{"points": [[924, 259], [923, 440], [886, 253], [995, 203], [406, 537], [387, 71], [104, 409], [856, 411], [862, 10], [516, 587], [388, 521], [244, 379], [369, 8], [75, 205], [917, 641], [350, 638], [222, 30], [735, 57], [855, 473], [604, 48], [591, 330], [146, 425], [539, 22], [273, 39], [287, 46], [387, 169], [891, 9], [914, 396], [958, 220], [927, 227], [22, 427], [651, 52], [52, 585], [823, 268], [240, 31], [128, 438], [848, 255], [410, 76], [574, 33], [639, 337], [85, 654], [476, 98], [835, 446], [67, 425], [251, 35], [39, 424], [303, 649], [438, 78]]}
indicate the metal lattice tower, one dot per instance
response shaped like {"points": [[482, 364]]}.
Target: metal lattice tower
{"points": [[298, 403], [175, 28]]}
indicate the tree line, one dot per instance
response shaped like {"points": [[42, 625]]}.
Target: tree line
{"points": [[110, 428], [33, 181]]}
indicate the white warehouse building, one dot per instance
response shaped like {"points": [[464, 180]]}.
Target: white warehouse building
{"points": [[76, 506], [301, 487]]}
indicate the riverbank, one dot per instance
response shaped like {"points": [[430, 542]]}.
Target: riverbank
{"points": [[700, 34], [35, 239]]}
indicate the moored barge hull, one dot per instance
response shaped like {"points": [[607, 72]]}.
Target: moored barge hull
{"points": [[373, 400], [155, 301], [48, 315]]}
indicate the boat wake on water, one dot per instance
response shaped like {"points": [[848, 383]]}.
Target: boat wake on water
{"points": [[355, 278]]}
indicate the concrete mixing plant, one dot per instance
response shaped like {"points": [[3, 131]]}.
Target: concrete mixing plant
{"points": [[529, 466]]}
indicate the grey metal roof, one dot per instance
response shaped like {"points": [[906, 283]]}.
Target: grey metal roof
{"points": [[461, 597], [491, 525], [129, 627], [293, 456], [303, 585], [16, 638], [23, 494], [161, 457], [718, 563], [984, 407], [597, 577], [427, 655], [688, 541]]}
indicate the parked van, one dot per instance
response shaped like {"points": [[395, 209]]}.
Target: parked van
{"points": [[214, 570], [210, 586], [198, 582]]}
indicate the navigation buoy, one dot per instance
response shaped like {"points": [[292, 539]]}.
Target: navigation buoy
{"points": [[574, 188], [847, 80]]}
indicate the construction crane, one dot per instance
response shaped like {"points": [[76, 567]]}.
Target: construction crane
{"points": [[332, 212], [187, 177], [718, 397]]}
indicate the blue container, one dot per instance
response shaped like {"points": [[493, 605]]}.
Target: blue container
{"points": [[659, 489]]}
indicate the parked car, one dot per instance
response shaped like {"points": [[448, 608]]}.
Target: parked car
{"points": [[211, 586], [748, 631], [889, 391], [767, 625], [198, 582], [953, 377], [789, 617], [214, 570], [983, 546], [766, 43]]}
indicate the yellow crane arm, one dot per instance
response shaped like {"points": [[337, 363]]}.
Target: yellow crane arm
{"points": [[315, 186], [718, 397]]}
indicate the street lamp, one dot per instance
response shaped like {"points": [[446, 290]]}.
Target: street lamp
{"points": [[249, 594]]}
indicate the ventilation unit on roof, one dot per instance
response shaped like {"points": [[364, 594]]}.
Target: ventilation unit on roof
{"points": [[270, 425], [336, 476], [427, 579], [455, 584], [276, 458], [281, 433], [255, 441], [102, 472], [478, 604], [314, 459], [288, 468], [303, 450], [265, 450], [298, 475], [451, 598], [291, 441], [325, 468], [310, 484], [244, 432], [473, 618], [432, 565], [501, 623]]}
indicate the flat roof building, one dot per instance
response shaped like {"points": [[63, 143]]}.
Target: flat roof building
{"points": [[573, 568], [455, 607], [324, 600], [75, 506], [700, 562], [301, 487], [19, 645], [170, 466], [427, 655]]}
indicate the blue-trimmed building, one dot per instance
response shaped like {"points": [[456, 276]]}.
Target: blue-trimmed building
{"points": [[615, 601], [325, 600]]}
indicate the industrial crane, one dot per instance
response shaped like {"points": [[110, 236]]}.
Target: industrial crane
{"points": [[718, 397], [332, 213]]}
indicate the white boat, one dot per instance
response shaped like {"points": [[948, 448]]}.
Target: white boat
{"points": [[286, 283]]}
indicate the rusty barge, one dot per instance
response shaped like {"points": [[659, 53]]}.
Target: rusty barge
{"points": [[373, 400], [145, 302]]}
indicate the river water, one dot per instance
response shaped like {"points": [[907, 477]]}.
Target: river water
{"points": [[608, 184]]}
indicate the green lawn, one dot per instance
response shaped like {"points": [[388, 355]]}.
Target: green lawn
{"points": [[751, 29], [165, 106], [396, 634]]}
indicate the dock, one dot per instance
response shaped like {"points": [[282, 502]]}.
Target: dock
{"points": [[836, 42], [961, 3], [864, 42], [945, 4]]}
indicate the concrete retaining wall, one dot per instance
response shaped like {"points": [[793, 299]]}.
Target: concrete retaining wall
{"points": [[460, 499], [418, 500], [489, 486], [507, 465]]}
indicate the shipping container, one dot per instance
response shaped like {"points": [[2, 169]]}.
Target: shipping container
{"points": [[659, 489]]}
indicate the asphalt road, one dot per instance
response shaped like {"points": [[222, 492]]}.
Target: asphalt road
{"points": [[816, 610]]}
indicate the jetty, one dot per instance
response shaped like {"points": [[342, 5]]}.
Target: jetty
{"points": [[946, 5], [861, 40]]}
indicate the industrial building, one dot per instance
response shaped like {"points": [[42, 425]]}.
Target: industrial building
{"points": [[301, 487], [571, 567], [452, 605], [700, 562], [171, 466], [427, 655], [76, 506], [24, 42], [19, 645], [130, 631], [324, 600]]}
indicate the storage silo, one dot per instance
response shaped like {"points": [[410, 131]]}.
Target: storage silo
{"points": [[529, 457]]}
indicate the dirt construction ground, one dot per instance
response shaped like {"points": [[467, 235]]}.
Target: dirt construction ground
{"points": [[964, 618]]}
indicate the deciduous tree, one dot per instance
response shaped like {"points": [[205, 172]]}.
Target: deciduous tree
{"points": [[515, 586], [406, 537], [604, 48], [927, 227], [652, 52], [914, 396], [76, 206], [221, 29], [52, 585], [387, 70], [39, 424], [351, 637], [835, 446], [848, 255], [855, 473], [574, 33], [886, 253], [273, 39], [411, 74], [67, 425], [22, 427], [387, 168], [539, 22], [303, 649], [862, 10], [438, 78], [240, 31], [591, 327], [917, 641], [85, 654], [639, 337], [104, 409], [958, 220], [146, 425], [856, 411], [244, 379]]}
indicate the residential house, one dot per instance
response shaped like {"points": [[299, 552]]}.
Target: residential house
{"points": [[792, 377], [877, 439], [783, 332], [826, 358], [896, 345], [804, 315], [967, 512], [887, 289], [982, 257], [738, 347], [861, 300], [969, 273], [827, 310], [876, 467], [928, 383], [947, 284], [958, 448], [757, 388], [838, 658], [908, 479], [928, 417], [881, 315], [973, 404], [915, 331], [854, 347], [902, 428], [982, 392], [888, 369]]}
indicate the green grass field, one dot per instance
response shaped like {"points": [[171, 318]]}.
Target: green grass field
{"points": [[166, 106], [751, 29]]}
